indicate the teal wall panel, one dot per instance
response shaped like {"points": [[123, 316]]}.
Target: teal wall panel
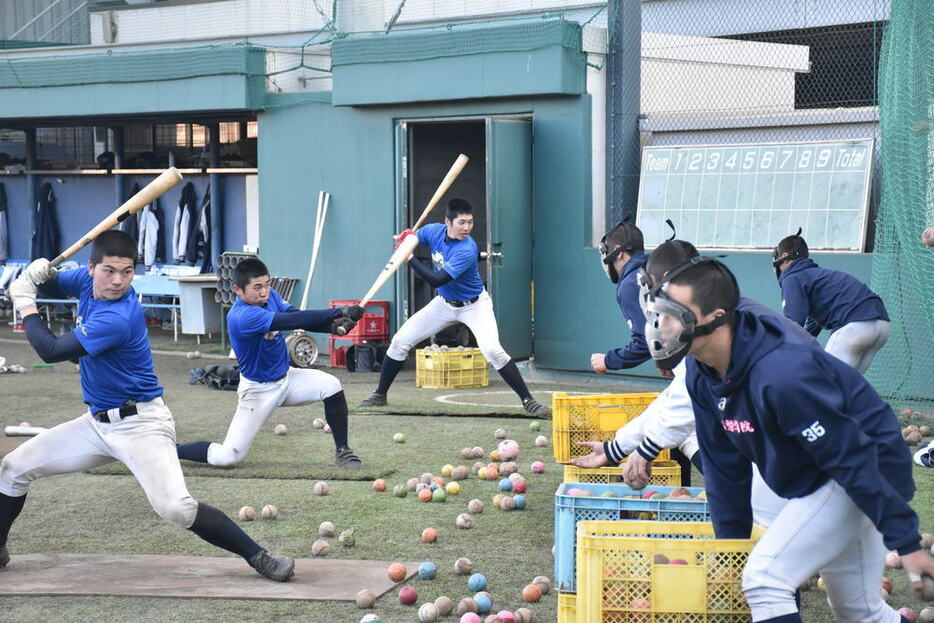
{"points": [[191, 94], [549, 71]]}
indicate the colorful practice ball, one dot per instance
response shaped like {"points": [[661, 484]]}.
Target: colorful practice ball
{"points": [[477, 582], [484, 603], [520, 501], [471, 617], [508, 449], [452, 488], [427, 570], [408, 595], [396, 572], [505, 485], [535, 425], [538, 467], [429, 535], [399, 438]]}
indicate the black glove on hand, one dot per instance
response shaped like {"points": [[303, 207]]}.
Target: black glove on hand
{"points": [[343, 325], [354, 312]]}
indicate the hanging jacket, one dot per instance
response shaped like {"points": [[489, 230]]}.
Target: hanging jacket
{"points": [[199, 234], [4, 235], [148, 234], [45, 236], [130, 224], [184, 217]]}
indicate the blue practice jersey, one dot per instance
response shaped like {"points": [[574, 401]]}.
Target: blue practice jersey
{"points": [[627, 295], [458, 258], [803, 417], [261, 353], [118, 366], [830, 298]]}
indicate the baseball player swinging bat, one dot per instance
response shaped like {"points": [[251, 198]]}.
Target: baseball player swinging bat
{"points": [[152, 191], [407, 246]]}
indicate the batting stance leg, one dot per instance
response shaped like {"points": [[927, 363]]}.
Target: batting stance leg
{"points": [[823, 532], [256, 402], [856, 343], [427, 321]]}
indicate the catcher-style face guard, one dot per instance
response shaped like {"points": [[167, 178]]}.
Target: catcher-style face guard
{"points": [[645, 288], [607, 260], [795, 252]]}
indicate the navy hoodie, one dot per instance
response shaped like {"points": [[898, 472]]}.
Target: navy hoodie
{"points": [[627, 295], [803, 417], [829, 298]]}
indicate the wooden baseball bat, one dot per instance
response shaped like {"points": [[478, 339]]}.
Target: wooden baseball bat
{"points": [[23, 431], [453, 172], [408, 245], [152, 191]]}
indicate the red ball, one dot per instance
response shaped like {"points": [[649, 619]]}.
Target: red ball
{"points": [[519, 486], [408, 595]]}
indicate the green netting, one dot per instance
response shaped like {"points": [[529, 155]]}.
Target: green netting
{"points": [[903, 269], [456, 39], [123, 67]]}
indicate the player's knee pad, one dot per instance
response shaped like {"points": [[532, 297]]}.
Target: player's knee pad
{"points": [[330, 386], [225, 456], [12, 481], [180, 511], [496, 356]]}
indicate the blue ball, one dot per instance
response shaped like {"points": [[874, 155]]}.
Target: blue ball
{"points": [[520, 501], [427, 570], [433, 486], [505, 485], [477, 582], [484, 603]]}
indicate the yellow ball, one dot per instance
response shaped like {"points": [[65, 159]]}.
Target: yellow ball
{"points": [[447, 470], [453, 488]]}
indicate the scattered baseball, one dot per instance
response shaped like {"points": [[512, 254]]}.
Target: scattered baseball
{"points": [[379, 485], [484, 602], [320, 548], [538, 467], [317, 423], [194, 354], [508, 468], [499, 433], [477, 452], [475, 506], [467, 453], [535, 425], [926, 430], [477, 582], [347, 538], [470, 617], [396, 572], [460, 473], [411, 484], [913, 438], [444, 606], [269, 512], [508, 449], [280, 429], [321, 488], [427, 613], [543, 583], [541, 441], [531, 593], [452, 488], [326, 529], [427, 571], [365, 599], [926, 615], [247, 513], [463, 566], [399, 438], [327, 429], [927, 540], [370, 618], [408, 595], [892, 559], [926, 592], [466, 605], [464, 521], [429, 535], [504, 616], [447, 470], [524, 615]]}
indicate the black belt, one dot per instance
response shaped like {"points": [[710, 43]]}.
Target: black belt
{"points": [[462, 303], [107, 416]]}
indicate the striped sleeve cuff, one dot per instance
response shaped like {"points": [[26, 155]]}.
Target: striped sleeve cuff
{"points": [[613, 452], [648, 449]]}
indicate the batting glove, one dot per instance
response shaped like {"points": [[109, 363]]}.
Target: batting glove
{"points": [[405, 233], [22, 292], [354, 312], [342, 326], [39, 271]]}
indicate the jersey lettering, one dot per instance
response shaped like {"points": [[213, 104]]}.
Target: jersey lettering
{"points": [[738, 426], [813, 432]]}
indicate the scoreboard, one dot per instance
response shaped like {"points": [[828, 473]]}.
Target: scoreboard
{"points": [[751, 196]]}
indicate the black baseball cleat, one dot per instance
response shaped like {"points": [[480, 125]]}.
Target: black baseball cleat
{"points": [[278, 568], [923, 457], [345, 457], [4, 556], [376, 399], [534, 407]]}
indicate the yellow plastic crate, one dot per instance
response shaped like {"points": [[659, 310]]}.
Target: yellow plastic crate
{"points": [[592, 418], [451, 369], [664, 474], [619, 582], [567, 608]]}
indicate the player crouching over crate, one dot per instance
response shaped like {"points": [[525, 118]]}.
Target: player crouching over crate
{"points": [[461, 298], [817, 431]]}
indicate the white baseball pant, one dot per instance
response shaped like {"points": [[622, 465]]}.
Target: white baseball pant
{"points": [[826, 533], [857, 343], [255, 403], [437, 315], [145, 443]]}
